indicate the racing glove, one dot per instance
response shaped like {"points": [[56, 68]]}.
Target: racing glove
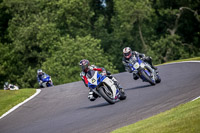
{"points": [[40, 82], [90, 96], [103, 73], [90, 67]]}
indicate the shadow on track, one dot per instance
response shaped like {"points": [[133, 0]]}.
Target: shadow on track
{"points": [[97, 106], [138, 87]]}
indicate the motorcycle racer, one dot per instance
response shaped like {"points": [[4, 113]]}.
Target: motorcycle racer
{"points": [[85, 66], [129, 54], [8, 86], [40, 74]]}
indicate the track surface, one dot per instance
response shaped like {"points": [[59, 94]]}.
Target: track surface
{"points": [[66, 109]]}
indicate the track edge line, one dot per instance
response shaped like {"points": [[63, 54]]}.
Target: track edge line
{"points": [[18, 105]]}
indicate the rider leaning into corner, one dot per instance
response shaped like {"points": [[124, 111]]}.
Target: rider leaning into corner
{"points": [[85, 66], [129, 54], [40, 74]]}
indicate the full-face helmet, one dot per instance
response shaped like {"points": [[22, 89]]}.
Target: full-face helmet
{"points": [[127, 52], [84, 65], [39, 71]]}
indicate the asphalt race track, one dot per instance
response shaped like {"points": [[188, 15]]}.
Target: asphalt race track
{"points": [[66, 109]]}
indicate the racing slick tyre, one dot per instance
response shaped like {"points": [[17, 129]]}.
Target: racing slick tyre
{"points": [[152, 82], [106, 93], [158, 80], [122, 95]]}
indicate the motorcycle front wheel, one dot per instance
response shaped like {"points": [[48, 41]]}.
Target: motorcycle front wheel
{"points": [[152, 82], [106, 94]]}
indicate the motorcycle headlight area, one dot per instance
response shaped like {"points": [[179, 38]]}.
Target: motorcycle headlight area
{"points": [[142, 65], [136, 65]]}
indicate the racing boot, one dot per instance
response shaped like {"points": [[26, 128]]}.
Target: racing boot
{"points": [[149, 60], [118, 86], [121, 94], [135, 77], [154, 67], [92, 96], [116, 83]]}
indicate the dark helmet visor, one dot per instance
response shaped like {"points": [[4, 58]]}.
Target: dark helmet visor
{"points": [[127, 54]]}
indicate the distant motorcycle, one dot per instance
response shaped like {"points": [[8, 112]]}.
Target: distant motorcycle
{"points": [[144, 71], [14, 87], [11, 87], [46, 81], [104, 87]]}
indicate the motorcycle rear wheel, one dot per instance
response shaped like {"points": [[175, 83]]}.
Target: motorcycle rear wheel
{"points": [[122, 95], [158, 80]]}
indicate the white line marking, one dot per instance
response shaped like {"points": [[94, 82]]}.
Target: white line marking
{"points": [[18, 105], [196, 98]]}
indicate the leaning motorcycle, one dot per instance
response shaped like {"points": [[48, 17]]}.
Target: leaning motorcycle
{"points": [[46, 81], [144, 71], [104, 87]]}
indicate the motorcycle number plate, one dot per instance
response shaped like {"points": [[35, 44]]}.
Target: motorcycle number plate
{"points": [[93, 80], [136, 65]]}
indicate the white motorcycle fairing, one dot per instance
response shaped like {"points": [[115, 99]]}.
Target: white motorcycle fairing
{"points": [[107, 81]]}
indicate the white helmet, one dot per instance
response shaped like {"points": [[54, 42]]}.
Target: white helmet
{"points": [[39, 71], [127, 52]]}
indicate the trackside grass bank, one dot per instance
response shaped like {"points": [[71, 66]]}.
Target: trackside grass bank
{"points": [[9, 99], [190, 59], [183, 119]]}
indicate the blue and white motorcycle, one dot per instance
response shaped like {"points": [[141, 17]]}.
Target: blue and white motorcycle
{"points": [[104, 87], [144, 71], [46, 81]]}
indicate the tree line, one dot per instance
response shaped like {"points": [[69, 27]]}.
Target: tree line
{"points": [[56, 35]]}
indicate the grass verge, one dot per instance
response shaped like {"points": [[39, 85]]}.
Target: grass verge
{"points": [[185, 118], [189, 59], [9, 99]]}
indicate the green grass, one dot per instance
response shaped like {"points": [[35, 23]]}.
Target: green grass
{"points": [[189, 59], [183, 119], [9, 99]]}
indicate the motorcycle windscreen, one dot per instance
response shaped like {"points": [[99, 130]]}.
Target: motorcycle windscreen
{"points": [[45, 78], [90, 74], [92, 77]]}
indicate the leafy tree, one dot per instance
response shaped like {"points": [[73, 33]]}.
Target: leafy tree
{"points": [[3, 62], [43, 33], [4, 17], [64, 67], [127, 24], [180, 20], [33, 37], [169, 48], [73, 17]]}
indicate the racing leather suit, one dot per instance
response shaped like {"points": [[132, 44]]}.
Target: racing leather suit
{"points": [[147, 59], [93, 67], [39, 78], [100, 69]]}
